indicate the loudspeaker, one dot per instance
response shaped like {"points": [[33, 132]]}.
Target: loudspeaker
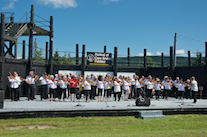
{"points": [[142, 101], [1, 99]]}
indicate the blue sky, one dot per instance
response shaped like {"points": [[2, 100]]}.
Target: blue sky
{"points": [[137, 24]]}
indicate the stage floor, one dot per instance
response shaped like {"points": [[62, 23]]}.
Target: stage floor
{"points": [[172, 106]]}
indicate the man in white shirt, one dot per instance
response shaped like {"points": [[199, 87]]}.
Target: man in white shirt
{"points": [[44, 82], [30, 80], [14, 80]]}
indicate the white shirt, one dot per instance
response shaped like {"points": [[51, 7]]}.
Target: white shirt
{"points": [[107, 85], [117, 87], [14, 82], [149, 85], [157, 86], [63, 84], [43, 80], [138, 85], [87, 85], [167, 85], [100, 85], [53, 84], [180, 87], [126, 85], [30, 79], [133, 81], [194, 86]]}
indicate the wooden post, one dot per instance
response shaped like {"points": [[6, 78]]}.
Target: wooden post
{"points": [[83, 60], [145, 62], [171, 62], [175, 46], [23, 50], [104, 49], [31, 25], [162, 60], [189, 63], [77, 54], [115, 61], [50, 69], [200, 60], [128, 57], [2, 34], [46, 52]]}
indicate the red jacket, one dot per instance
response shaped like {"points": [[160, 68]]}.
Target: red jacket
{"points": [[73, 84]]}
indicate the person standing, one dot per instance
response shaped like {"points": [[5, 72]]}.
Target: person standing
{"points": [[194, 88], [126, 84], [14, 80], [100, 86], [138, 87], [53, 87], [133, 87], [73, 87], [30, 80], [157, 87], [63, 86], [87, 88], [117, 89], [44, 82]]}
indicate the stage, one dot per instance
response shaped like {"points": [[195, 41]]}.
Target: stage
{"points": [[45, 108]]}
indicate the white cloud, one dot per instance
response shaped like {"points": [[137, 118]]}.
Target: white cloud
{"points": [[142, 54], [10, 5], [107, 1], [180, 52], [158, 53], [59, 3]]}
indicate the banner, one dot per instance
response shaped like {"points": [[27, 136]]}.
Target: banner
{"points": [[94, 58]]}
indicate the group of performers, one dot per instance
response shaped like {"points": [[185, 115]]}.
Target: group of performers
{"points": [[103, 87]]}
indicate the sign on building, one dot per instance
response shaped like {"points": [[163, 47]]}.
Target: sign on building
{"points": [[95, 58]]}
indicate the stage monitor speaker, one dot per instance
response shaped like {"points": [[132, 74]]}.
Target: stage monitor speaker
{"points": [[142, 101], [1, 99]]}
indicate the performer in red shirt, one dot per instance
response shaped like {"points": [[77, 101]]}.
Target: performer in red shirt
{"points": [[73, 87]]}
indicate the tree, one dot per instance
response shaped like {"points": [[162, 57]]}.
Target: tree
{"points": [[196, 62], [150, 62], [37, 52], [57, 57]]}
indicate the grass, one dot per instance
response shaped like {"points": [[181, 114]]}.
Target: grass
{"points": [[177, 125]]}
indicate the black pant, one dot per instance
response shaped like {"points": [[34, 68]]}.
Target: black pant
{"points": [[14, 93], [149, 93], [30, 91], [166, 93], [100, 92], [119, 95], [62, 91], [157, 93], [137, 92], [93, 92], [53, 93], [132, 93], [44, 92], [87, 93], [188, 94], [106, 92], [194, 96]]}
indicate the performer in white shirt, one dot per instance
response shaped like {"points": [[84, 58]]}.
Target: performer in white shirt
{"points": [[138, 87], [127, 85], [14, 80], [44, 82], [87, 87], [157, 87], [133, 87], [100, 86], [30, 80], [53, 87], [117, 89], [194, 88], [63, 86]]}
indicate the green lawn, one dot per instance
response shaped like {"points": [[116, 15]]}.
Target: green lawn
{"points": [[176, 125]]}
